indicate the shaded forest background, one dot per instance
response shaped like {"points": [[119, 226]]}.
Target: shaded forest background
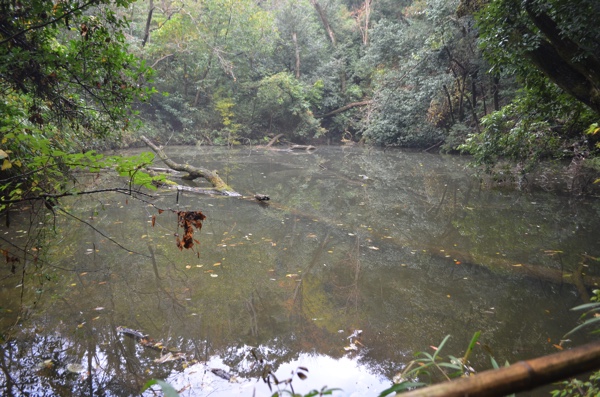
{"points": [[458, 75]]}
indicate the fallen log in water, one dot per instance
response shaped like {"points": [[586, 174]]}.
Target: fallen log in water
{"points": [[303, 147], [193, 172], [521, 376]]}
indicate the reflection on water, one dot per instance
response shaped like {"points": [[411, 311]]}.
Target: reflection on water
{"points": [[406, 247]]}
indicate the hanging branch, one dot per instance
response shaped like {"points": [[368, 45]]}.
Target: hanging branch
{"points": [[102, 234]]}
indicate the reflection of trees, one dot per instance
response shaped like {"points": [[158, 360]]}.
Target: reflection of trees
{"points": [[366, 253]]}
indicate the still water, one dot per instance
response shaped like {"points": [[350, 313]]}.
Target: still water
{"points": [[361, 259]]}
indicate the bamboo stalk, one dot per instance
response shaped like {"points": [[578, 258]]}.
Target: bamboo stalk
{"points": [[521, 376]]}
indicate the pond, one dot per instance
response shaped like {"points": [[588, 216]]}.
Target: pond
{"points": [[362, 258]]}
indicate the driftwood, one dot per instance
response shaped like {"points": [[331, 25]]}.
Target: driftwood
{"points": [[521, 376], [193, 172], [275, 139], [303, 147], [292, 147]]}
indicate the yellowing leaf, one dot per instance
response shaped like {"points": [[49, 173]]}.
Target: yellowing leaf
{"points": [[6, 165], [3, 154]]}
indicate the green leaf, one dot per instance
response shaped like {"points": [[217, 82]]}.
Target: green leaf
{"points": [[593, 305], [400, 387], [167, 389], [494, 363], [585, 324], [441, 346], [472, 344]]}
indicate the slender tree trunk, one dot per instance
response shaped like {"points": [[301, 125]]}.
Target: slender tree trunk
{"points": [[206, 71], [483, 95], [148, 22], [496, 93], [449, 103], [297, 53], [185, 80], [473, 92], [324, 21], [461, 102], [367, 18]]}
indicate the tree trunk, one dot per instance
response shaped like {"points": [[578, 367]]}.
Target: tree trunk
{"points": [[449, 103], [559, 59], [344, 108], [496, 93], [367, 17], [297, 52], [193, 172], [148, 21], [185, 80], [324, 21]]}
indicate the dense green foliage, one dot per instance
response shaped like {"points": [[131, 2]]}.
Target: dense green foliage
{"points": [[551, 47], [67, 83], [401, 73], [501, 79]]}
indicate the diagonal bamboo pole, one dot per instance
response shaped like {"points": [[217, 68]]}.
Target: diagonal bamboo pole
{"points": [[521, 376]]}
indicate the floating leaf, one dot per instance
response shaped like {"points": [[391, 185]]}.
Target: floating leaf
{"points": [[351, 347], [46, 364], [75, 368]]}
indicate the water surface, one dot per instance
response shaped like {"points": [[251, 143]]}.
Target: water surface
{"points": [[361, 258]]}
